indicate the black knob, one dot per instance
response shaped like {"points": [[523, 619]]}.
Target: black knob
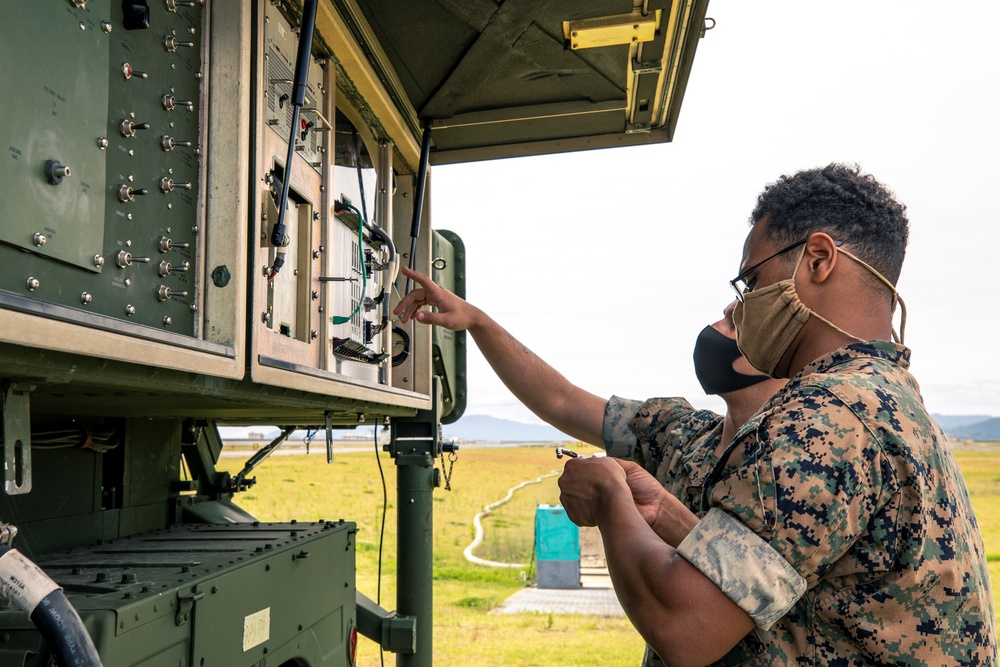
{"points": [[135, 14]]}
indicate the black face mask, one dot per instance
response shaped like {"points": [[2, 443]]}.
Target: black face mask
{"points": [[714, 354]]}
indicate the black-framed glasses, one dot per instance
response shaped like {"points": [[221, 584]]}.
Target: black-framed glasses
{"points": [[739, 283]]}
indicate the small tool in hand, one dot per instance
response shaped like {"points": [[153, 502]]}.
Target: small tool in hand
{"points": [[561, 451]]}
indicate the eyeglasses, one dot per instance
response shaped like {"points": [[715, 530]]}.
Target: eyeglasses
{"points": [[740, 284]]}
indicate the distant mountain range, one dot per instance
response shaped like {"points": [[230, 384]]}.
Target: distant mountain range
{"points": [[483, 428], [973, 427]]}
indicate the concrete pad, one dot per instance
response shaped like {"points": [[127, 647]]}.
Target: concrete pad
{"points": [[589, 601]]}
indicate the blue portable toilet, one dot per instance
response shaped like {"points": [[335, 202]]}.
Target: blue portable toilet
{"points": [[557, 548]]}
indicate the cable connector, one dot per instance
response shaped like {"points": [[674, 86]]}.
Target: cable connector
{"points": [[279, 261]]}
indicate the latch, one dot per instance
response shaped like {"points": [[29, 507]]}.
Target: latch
{"points": [[185, 605]]}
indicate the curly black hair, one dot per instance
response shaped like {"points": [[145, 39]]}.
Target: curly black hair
{"points": [[847, 204]]}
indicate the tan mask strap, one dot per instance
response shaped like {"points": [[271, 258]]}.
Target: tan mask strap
{"points": [[895, 297], [813, 313]]}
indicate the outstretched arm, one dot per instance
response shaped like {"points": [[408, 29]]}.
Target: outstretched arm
{"points": [[543, 389]]}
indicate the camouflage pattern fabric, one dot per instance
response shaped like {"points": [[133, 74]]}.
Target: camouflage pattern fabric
{"points": [[747, 569], [846, 476], [675, 443]]}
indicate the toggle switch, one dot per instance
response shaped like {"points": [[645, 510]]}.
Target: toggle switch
{"points": [[170, 43], [128, 72], [166, 244], [163, 293], [125, 258], [167, 184], [128, 128], [169, 102], [172, 5], [166, 268], [169, 143], [127, 194]]}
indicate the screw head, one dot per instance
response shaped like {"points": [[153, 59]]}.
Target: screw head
{"points": [[32, 283], [86, 298]]}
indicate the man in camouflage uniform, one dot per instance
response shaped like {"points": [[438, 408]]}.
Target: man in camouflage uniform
{"points": [[843, 473], [835, 525]]}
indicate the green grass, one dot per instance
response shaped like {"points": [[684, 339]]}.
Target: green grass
{"points": [[465, 633]]}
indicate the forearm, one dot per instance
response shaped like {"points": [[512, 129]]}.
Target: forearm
{"points": [[673, 520], [677, 610], [543, 389]]}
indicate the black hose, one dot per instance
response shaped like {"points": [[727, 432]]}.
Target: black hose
{"points": [[65, 633], [279, 233], [418, 203], [53, 615]]}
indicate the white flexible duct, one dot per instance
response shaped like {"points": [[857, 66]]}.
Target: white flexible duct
{"points": [[476, 521]]}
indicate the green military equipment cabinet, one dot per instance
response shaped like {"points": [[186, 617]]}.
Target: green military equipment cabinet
{"points": [[205, 208]]}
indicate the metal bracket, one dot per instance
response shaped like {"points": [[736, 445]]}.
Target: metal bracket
{"points": [[388, 629], [329, 436], [185, 605], [646, 66], [16, 438]]}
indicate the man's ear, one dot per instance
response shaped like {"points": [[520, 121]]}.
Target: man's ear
{"points": [[821, 257]]}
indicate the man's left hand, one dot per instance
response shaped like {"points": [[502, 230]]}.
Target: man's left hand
{"points": [[587, 485]]}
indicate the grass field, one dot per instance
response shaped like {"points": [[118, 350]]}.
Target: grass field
{"points": [[306, 488]]}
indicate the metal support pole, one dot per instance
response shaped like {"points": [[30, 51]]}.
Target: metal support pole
{"points": [[415, 445]]}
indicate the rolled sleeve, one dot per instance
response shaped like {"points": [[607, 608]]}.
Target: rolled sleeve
{"points": [[619, 440], [745, 567]]}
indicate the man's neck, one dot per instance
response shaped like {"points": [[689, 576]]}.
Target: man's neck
{"points": [[742, 405]]}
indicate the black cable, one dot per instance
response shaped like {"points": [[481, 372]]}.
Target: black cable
{"points": [[56, 619], [357, 165], [380, 234], [279, 234], [65, 633]]}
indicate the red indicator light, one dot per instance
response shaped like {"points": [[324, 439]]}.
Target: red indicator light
{"points": [[352, 645]]}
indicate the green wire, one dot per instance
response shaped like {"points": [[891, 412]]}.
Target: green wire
{"points": [[364, 271]]}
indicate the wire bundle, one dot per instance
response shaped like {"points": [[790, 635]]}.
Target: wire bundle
{"points": [[77, 437]]}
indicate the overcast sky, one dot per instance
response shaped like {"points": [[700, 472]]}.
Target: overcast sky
{"points": [[608, 263]]}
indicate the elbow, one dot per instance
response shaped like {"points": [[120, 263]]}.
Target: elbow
{"points": [[676, 652]]}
